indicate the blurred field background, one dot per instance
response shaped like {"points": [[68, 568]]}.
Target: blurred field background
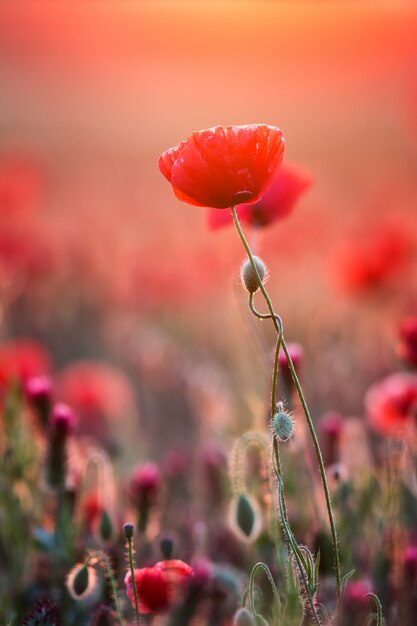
{"points": [[99, 261]]}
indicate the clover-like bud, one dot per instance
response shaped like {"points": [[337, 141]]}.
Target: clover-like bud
{"points": [[248, 275], [283, 425]]}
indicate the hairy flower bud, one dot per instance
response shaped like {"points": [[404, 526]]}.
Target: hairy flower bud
{"points": [[248, 276], [243, 617], [283, 425], [246, 518]]}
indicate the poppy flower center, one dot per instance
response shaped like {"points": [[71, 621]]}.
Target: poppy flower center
{"points": [[241, 197]]}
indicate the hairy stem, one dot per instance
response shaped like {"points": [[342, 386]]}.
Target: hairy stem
{"points": [[278, 328]]}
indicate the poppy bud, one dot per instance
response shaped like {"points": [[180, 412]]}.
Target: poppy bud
{"points": [[248, 275], [144, 491], [166, 545], [128, 530], [243, 617], [106, 526], [246, 518], [283, 425], [81, 581]]}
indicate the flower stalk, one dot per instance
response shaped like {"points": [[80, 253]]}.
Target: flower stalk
{"points": [[281, 341]]}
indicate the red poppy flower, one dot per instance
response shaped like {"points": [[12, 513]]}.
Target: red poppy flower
{"points": [[391, 404], [22, 359], [407, 347], [370, 261], [222, 167], [160, 586], [277, 202]]}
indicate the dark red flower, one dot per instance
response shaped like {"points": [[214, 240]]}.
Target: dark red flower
{"points": [[160, 586], [296, 353], [391, 404], [407, 346], [278, 201], [222, 167]]}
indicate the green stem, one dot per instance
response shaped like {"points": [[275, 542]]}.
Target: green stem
{"points": [[309, 420], [132, 572], [267, 571]]}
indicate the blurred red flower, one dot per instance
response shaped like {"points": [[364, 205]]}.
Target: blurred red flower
{"points": [[222, 167], [277, 202], [407, 346], [95, 389], [160, 586], [366, 263], [20, 183], [391, 404], [22, 359]]}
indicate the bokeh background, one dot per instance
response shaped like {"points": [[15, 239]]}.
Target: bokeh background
{"points": [[127, 290]]}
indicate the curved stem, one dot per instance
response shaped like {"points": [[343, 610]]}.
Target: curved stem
{"points": [[300, 394], [267, 571]]}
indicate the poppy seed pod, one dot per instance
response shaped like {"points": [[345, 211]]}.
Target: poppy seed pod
{"points": [[248, 275]]}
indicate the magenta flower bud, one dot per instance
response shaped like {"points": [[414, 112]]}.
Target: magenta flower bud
{"points": [[331, 427], [38, 393], [356, 597], [296, 353], [62, 419], [144, 490]]}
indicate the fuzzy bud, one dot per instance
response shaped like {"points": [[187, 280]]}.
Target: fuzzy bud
{"points": [[44, 612], [283, 425], [128, 530], [248, 276], [243, 617], [82, 581]]}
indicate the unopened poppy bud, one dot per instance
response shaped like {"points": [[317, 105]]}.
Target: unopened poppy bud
{"points": [[246, 519], [38, 392], [166, 545], [248, 275], [283, 425], [128, 530], [243, 617], [81, 581], [106, 526]]}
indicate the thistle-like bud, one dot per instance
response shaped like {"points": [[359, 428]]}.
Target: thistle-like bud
{"points": [[243, 617], [248, 275], [283, 425]]}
